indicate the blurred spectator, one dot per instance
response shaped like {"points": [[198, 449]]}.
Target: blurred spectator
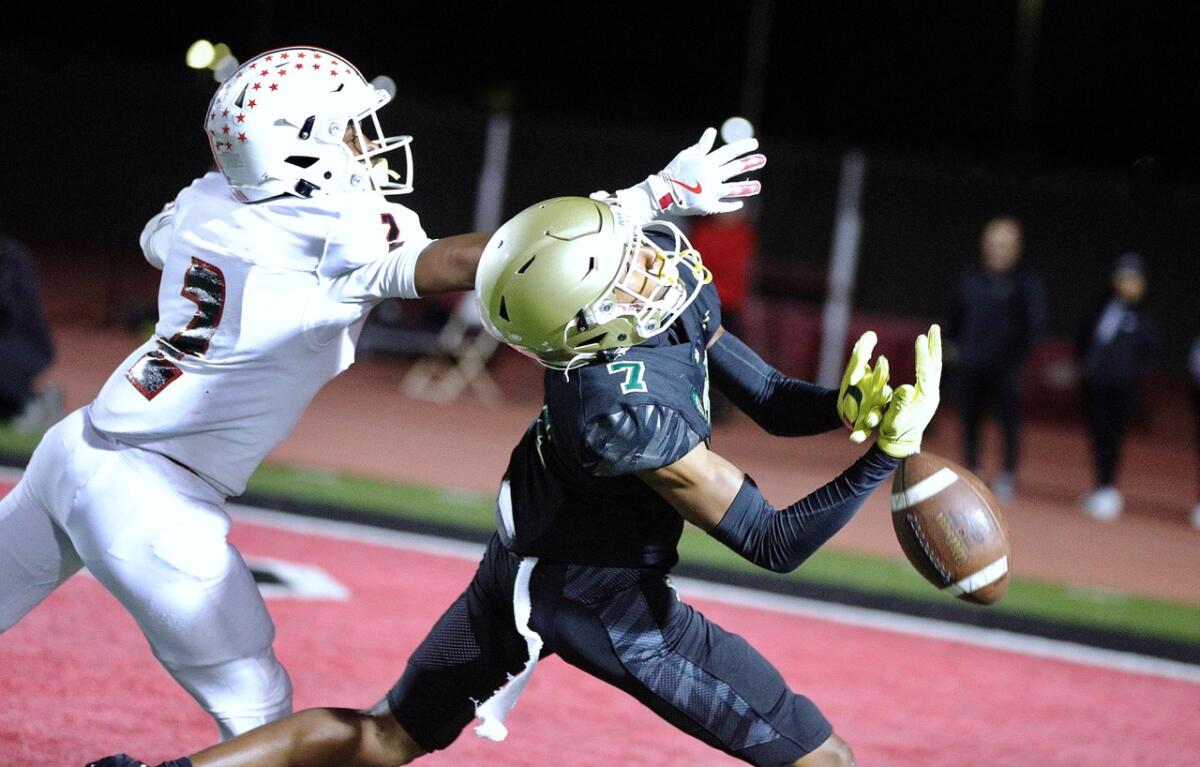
{"points": [[26, 348], [1194, 369], [998, 313], [1116, 346]]}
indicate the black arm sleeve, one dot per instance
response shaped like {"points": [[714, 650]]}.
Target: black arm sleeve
{"points": [[781, 405], [782, 540]]}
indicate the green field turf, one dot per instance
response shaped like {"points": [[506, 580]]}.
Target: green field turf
{"points": [[1083, 606]]}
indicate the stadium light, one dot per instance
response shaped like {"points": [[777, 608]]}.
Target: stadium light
{"points": [[224, 68], [201, 54], [204, 55], [385, 83], [736, 128]]}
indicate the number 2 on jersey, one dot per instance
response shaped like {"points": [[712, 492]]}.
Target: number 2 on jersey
{"points": [[203, 285]]}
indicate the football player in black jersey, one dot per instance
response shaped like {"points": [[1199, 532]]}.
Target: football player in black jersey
{"points": [[594, 500]]}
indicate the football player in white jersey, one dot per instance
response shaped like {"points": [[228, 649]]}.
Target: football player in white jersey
{"points": [[270, 266]]}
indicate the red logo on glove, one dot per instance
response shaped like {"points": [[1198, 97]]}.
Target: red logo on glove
{"points": [[696, 189]]}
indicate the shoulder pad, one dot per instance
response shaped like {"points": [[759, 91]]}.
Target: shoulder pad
{"points": [[359, 236], [638, 438]]}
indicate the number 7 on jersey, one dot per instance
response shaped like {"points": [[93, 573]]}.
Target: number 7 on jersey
{"points": [[635, 375]]}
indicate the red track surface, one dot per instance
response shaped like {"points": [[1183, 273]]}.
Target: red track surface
{"points": [[78, 681], [361, 424]]}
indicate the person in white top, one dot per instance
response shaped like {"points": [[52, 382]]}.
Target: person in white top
{"points": [[269, 268]]}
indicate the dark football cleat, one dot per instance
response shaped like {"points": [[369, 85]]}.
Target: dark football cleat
{"points": [[118, 760]]}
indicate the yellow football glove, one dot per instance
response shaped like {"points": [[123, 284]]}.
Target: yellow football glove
{"points": [[912, 407], [864, 392]]}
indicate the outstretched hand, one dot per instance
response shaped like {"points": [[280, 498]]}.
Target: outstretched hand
{"points": [[697, 180], [913, 405], [864, 391]]}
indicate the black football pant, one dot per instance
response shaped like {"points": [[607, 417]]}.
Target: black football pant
{"points": [[994, 390], [622, 625], [1106, 412]]}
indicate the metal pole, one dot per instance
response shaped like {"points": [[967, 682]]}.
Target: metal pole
{"points": [[489, 192], [843, 266], [758, 39], [1029, 22]]}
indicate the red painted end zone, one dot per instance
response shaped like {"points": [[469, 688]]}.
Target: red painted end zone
{"points": [[79, 682]]}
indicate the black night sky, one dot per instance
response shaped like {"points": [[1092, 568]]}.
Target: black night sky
{"points": [[1078, 116], [1100, 84]]}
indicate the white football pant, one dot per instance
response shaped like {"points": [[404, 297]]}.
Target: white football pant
{"points": [[154, 534]]}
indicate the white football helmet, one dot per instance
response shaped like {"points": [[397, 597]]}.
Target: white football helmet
{"points": [[280, 125]]}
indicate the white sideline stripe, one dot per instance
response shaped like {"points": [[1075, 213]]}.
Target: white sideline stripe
{"points": [[985, 577], [997, 639], [925, 489]]}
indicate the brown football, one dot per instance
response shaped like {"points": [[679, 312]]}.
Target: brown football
{"points": [[951, 528]]}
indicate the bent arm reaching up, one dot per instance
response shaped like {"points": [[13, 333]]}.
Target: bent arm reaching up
{"points": [[696, 182], [790, 407], [780, 404], [716, 496]]}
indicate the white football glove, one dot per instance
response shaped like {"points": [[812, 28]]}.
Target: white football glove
{"points": [[696, 181]]}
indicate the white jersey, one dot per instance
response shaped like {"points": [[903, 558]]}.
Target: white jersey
{"points": [[259, 306]]}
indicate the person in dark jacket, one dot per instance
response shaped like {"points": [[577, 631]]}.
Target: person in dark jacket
{"points": [[1116, 346], [26, 348], [1194, 371], [998, 314]]}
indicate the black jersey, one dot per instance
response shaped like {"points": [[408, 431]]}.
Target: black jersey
{"points": [[571, 492]]}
